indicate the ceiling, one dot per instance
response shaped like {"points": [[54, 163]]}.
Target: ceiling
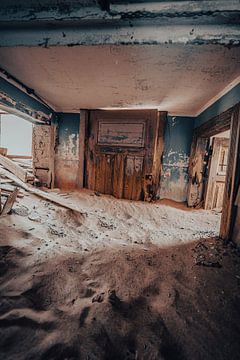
{"points": [[180, 79]]}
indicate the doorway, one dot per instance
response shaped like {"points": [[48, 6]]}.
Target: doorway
{"points": [[225, 156]]}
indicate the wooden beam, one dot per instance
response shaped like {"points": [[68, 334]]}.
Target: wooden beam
{"points": [[14, 168], [215, 125], [19, 156]]}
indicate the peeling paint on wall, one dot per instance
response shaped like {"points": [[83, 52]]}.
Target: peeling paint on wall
{"points": [[42, 152], [67, 151], [68, 148], [177, 143]]}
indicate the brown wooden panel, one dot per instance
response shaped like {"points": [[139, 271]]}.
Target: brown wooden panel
{"points": [[99, 164], [128, 177], [137, 181], [121, 133], [216, 125], [108, 175], [232, 177], [118, 176]]}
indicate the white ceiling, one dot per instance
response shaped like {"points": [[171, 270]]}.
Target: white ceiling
{"points": [[180, 79]]}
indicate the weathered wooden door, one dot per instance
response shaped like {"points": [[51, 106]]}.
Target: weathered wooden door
{"points": [[120, 157], [217, 169]]}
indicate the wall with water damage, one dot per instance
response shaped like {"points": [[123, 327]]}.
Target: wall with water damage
{"points": [[67, 151], [177, 144]]}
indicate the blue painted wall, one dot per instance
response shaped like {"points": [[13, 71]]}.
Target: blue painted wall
{"points": [[177, 145], [68, 131], [228, 100], [67, 151]]}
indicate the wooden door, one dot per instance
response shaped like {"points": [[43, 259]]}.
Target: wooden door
{"points": [[217, 170], [120, 153]]}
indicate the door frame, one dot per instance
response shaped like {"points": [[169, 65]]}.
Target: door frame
{"points": [[230, 119]]}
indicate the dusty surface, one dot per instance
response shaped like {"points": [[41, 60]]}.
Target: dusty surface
{"points": [[72, 292]]}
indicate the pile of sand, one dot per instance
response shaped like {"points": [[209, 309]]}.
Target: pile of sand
{"points": [[108, 284], [128, 302]]}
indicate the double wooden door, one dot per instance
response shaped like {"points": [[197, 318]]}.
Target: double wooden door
{"points": [[123, 153]]}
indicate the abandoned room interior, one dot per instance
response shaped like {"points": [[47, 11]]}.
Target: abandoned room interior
{"points": [[119, 180]]}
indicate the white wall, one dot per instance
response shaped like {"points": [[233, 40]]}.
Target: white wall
{"points": [[16, 135]]}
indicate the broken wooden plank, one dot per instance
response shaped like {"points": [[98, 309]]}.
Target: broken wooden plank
{"points": [[42, 194], [14, 168], [7, 207], [6, 181], [8, 193], [19, 157], [7, 187]]}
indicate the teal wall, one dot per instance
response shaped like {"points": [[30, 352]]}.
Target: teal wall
{"points": [[177, 145], [67, 151]]}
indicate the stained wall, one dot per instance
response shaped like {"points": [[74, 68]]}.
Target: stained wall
{"points": [[67, 151], [42, 153], [175, 162]]}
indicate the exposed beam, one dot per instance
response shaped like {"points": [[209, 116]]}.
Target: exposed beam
{"points": [[149, 34], [65, 10], [16, 101], [157, 22]]}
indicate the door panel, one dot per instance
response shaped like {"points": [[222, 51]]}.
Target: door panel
{"points": [[217, 173], [120, 152]]}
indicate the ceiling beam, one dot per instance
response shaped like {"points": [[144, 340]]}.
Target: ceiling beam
{"points": [[66, 23], [16, 101], [148, 35]]}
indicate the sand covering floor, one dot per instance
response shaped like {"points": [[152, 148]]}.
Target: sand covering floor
{"points": [[71, 292]]}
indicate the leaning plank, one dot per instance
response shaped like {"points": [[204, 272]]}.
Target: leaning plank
{"points": [[42, 194], [13, 168], [8, 193], [19, 157], [9, 202]]}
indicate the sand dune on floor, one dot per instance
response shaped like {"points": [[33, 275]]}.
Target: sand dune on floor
{"points": [[136, 301], [120, 280]]}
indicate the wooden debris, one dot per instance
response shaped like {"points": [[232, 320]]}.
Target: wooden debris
{"points": [[8, 193], [13, 168], [19, 157], [42, 194], [7, 207], [6, 181]]}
